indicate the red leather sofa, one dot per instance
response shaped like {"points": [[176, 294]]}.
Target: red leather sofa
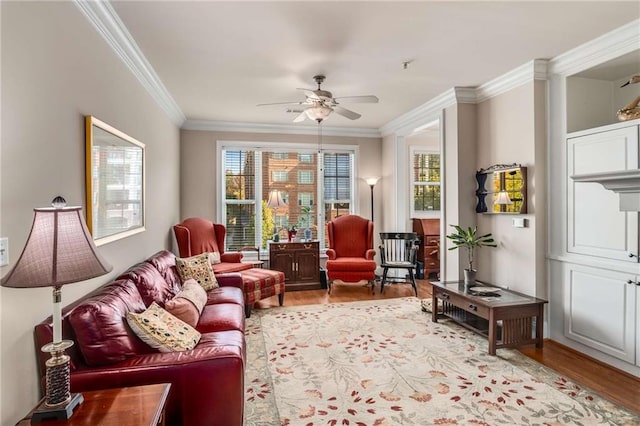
{"points": [[207, 383]]}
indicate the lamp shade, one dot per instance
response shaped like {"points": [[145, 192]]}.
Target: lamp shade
{"points": [[502, 198], [371, 181], [275, 200], [59, 251]]}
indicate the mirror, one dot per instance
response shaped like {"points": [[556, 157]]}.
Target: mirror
{"points": [[502, 189], [115, 182]]}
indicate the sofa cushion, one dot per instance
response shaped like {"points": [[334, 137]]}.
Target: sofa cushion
{"points": [[101, 332], [161, 330], [197, 267], [225, 295], [188, 304], [150, 283], [165, 262], [221, 317]]}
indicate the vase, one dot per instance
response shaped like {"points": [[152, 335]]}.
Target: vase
{"points": [[307, 234], [470, 276], [292, 235]]}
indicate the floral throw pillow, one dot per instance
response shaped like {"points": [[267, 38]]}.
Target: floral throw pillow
{"points": [[198, 268], [162, 331], [214, 257]]}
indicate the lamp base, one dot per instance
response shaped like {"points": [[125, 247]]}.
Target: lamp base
{"points": [[61, 412]]}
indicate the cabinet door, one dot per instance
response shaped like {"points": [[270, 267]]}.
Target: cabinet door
{"points": [[596, 226], [308, 265], [600, 310], [283, 260]]}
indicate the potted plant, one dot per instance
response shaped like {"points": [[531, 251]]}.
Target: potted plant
{"points": [[470, 239], [306, 219]]}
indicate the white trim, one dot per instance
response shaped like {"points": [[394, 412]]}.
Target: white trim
{"points": [[108, 24], [287, 129], [533, 70], [597, 51]]}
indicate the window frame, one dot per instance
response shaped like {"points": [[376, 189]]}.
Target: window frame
{"points": [[301, 148], [419, 150]]}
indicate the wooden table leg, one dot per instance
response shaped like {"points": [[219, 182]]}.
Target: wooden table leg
{"points": [[492, 333], [434, 307], [539, 327]]}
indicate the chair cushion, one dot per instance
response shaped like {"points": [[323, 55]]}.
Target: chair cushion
{"points": [[352, 264], [101, 331], [226, 267], [161, 330]]}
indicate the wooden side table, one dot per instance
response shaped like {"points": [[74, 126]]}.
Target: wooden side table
{"points": [[135, 406]]}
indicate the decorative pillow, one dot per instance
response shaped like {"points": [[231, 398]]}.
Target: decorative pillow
{"points": [[189, 303], [214, 257], [199, 268], [161, 330]]}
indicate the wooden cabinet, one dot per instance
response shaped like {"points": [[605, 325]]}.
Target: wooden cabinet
{"points": [[300, 263], [428, 231]]}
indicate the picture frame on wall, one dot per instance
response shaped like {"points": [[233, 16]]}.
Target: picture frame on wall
{"points": [[115, 182]]}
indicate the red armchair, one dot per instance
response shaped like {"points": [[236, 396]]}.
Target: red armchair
{"points": [[196, 235], [351, 250]]}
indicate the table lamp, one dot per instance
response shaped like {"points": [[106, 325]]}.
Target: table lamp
{"points": [[59, 251], [275, 201]]}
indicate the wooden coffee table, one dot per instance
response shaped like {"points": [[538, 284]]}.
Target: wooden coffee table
{"points": [[506, 318]]}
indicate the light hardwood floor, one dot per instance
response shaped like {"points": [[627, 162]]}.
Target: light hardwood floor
{"points": [[613, 384]]}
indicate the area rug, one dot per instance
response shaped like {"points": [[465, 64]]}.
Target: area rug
{"points": [[384, 362]]}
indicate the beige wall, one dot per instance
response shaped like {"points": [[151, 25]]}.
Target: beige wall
{"points": [[55, 69], [511, 129], [199, 176]]}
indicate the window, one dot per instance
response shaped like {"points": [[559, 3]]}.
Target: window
{"points": [[425, 178], [280, 176], [250, 174], [305, 177]]}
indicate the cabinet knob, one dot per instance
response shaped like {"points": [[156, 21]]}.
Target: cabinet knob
{"points": [[633, 282], [473, 307], [632, 255]]}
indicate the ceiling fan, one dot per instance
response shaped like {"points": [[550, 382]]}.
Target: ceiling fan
{"points": [[320, 103]]}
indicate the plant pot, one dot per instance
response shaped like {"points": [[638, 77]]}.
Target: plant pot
{"points": [[470, 276], [292, 235]]}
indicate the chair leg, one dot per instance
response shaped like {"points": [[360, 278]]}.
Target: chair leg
{"points": [[384, 279], [413, 281], [281, 299], [372, 283], [247, 310], [329, 283]]}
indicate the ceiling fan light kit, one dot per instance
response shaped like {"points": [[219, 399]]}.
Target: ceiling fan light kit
{"points": [[319, 104]]}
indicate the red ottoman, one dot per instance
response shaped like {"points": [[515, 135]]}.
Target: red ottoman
{"points": [[260, 284]]}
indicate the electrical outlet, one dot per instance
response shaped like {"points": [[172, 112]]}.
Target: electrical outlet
{"points": [[4, 251], [519, 222]]}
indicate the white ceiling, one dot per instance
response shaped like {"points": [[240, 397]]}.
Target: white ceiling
{"points": [[219, 59]]}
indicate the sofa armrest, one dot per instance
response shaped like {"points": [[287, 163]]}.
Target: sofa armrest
{"points": [[231, 257], [198, 378], [230, 279]]}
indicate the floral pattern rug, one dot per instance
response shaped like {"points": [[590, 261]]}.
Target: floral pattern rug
{"points": [[384, 363]]}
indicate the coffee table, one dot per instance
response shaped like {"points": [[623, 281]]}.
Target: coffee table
{"points": [[505, 317]]}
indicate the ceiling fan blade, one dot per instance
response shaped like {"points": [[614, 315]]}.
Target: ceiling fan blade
{"points": [[300, 117], [309, 94], [346, 113], [366, 99], [284, 103]]}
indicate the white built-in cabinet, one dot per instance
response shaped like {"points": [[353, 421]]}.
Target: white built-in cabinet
{"points": [[601, 299]]}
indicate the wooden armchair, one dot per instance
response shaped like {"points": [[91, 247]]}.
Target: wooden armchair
{"points": [[350, 254]]}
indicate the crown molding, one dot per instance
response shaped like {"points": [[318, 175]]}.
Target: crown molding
{"points": [[533, 70], [425, 113], [109, 25], [599, 50], [289, 129]]}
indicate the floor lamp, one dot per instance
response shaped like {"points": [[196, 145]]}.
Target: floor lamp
{"points": [[275, 201], [59, 251], [372, 182]]}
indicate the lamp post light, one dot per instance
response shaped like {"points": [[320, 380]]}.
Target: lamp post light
{"points": [[372, 182]]}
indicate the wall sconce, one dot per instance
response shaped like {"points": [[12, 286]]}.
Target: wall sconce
{"points": [[502, 198]]}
